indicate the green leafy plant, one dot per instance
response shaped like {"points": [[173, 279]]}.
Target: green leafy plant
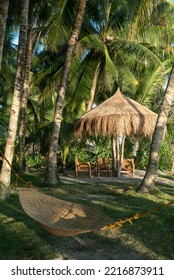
{"points": [[34, 160]]}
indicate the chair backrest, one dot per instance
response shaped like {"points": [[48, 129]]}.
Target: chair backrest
{"points": [[103, 160], [100, 160], [127, 165], [128, 161]]}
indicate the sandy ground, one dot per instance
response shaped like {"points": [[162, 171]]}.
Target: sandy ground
{"points": [[139, 174]]}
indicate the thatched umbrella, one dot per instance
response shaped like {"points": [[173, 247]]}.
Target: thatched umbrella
{"points": [[117, 116]]}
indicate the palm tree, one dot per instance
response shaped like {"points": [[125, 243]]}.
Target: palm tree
{"points": [[51, 175], [39, 17], [22, 163], [165, 21], [5, 175], [107, 58], [118, 51], [110, 48], [3, 18], [101, 57], [148, 182]]}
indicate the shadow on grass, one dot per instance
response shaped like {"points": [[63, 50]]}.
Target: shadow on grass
{"points": [[21, 238], [167, 189], [151, 237]]}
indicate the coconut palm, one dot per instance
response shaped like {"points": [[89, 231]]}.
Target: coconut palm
{"points": [[148, 182], [101, 57], [51, 175], [97, 60], [46, 14], [15, 107], [109, 47], [117, 53], [22, 163], [166, 22], [118, 59]]}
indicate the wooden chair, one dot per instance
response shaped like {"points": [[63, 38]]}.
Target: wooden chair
{"points": [[82, 167], [103, 165], [128, 166]]}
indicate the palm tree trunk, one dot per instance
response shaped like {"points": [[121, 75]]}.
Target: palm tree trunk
{"points": [[3, 18], [22, 162], [51, 175], [93, 88], [148, 182], [5, 175]]}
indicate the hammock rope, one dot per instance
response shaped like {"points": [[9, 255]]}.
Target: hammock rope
{"points": [[136, 216], [18, 178], [61, 217]]}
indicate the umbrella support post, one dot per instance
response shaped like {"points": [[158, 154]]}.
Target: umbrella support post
{"points": [[116, 162], [118, 157]]}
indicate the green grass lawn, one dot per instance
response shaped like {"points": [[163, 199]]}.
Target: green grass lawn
{"points": [[150, 237]]}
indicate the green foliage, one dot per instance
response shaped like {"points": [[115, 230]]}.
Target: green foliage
{"points": [[166, 154], [3, 128], [151, 81], [34, 160], [82, 156], [142, 157], [89, 149], [131, 42], [103, 147], [60, 22]]}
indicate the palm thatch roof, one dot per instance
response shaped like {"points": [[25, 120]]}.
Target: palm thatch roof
{"points": [[118, 115]]}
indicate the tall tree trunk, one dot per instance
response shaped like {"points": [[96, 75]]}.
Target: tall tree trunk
{"points": [[22, 162], [93, 88], [148, 182], [5, 175], [51, 175], [3, 18]]}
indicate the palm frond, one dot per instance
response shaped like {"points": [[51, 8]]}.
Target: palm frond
{"points": [[92, 42], [141, 51], [60, 22], [151, 82], [111, 73], [48, 117], [141, 16], [47, 75], [125, 73], [80, 86]]}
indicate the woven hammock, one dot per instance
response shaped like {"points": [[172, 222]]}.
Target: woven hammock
{"points": [[61, 217]]}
